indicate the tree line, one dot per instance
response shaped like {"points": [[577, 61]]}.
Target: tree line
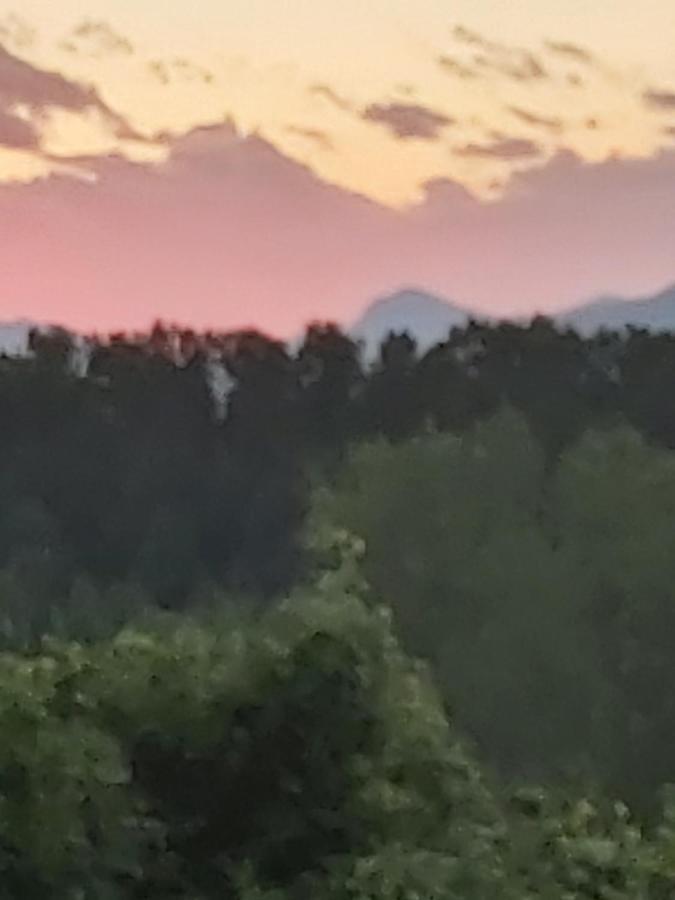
{"points": [[181, 461]]}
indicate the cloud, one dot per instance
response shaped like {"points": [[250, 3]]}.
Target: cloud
{"points": [[408, 90], [513, 62], [506, 148], [16, 32], [662, 100], [473, 38], [179, 69], [38, 90], [518, 65], [227, 231], [160, 71], [454, 67], [572, 51], [408, 120], [536, 119], [20, 82], [332, 96], [97, 38], [315, 135], [227, 226], [529, 68], [16, 133]]}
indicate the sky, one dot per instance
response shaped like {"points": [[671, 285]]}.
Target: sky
{"points": [[270, 162]]}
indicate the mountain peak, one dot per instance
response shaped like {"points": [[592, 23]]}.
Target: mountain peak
{"points": [[656, 313], [426, 317], [14, 337]]}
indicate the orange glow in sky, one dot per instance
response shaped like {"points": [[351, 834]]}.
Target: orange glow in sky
{"points": [[229, 134]]}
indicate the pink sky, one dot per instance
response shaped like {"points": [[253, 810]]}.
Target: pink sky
{"points": [[229, 232], [267, 166]]}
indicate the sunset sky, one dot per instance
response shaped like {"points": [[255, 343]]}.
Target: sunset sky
{"points": [[233, 162]]}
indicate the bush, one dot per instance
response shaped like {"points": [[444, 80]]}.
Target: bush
{"points": [[303, 752]]}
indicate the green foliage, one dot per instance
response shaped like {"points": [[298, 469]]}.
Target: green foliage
{"points": [[304, 751], [542, 598], [294, 755], [66, 816]]}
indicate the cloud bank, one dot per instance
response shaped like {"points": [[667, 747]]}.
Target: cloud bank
{"points": [[228, 232]]}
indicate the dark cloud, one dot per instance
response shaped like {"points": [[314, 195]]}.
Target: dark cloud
{"points": [[506, 148], [408, 120], [20, 82], [179, 69], [572, 51], [549, 123], [454, 67], [97, 38], [16, 133], [332, 96], [40, 90], [660, 99], [315, 135]]}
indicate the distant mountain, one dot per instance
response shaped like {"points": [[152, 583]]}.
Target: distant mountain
{"points": [[656, 313], [14, 338], [429, 318], [424, 316]]}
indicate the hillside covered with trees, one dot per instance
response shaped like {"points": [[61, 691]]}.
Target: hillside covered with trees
{"points": [[220, 561]]}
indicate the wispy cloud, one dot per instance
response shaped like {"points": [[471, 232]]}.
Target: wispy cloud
{"points": [[16, 32], [316, 136], [332, 96], [467, 36], [38, 90], [453, 66], [537, 120], [96, 38], [660, 99], [569, 50], [504, 148], [513, 62], [179, 69], [521, 65], [408, 120]]}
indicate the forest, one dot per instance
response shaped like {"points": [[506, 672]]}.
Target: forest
{"points": [[288, 623]]}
